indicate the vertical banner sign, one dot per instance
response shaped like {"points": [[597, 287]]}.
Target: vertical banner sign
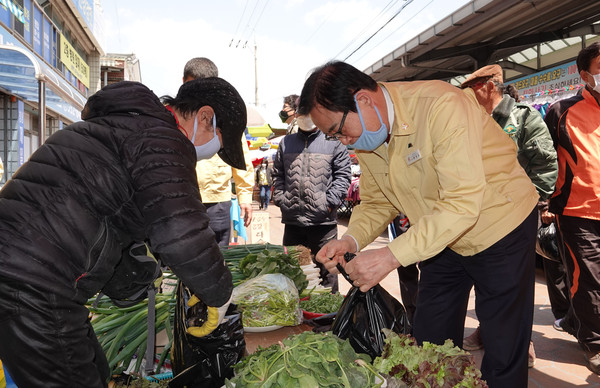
{"points": [[37, 30], [21, 130], [47, 39], [74, 62], [27, 20]]}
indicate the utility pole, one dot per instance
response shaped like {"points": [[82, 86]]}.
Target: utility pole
{"points": [[255, 75]]}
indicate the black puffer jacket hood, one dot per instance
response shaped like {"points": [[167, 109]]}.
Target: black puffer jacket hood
{"points": [[124, 174], [311, 176]]}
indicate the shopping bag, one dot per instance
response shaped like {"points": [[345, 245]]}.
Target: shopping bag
{"points": [[363, 315], [204, 361], [546, 244]]}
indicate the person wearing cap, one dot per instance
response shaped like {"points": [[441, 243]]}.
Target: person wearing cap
{"points": [[287, 114], [428, 150], [125, 173], [311, 177], [215, 176], [535, 151]]}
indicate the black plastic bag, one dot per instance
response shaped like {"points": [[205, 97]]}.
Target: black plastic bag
{"points": [[546, 244], [204, 361], [362, 315]]}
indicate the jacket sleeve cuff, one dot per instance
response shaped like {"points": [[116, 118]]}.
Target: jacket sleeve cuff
{"points": [[403, 252], [244, 198], [355, 242]]}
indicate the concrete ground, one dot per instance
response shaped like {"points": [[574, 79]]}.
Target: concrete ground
{"points": [[560, 362]]}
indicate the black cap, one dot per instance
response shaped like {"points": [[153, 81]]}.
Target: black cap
{"points": [[229, 108]]}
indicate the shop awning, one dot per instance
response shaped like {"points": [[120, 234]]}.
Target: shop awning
{"points": [[21, 73]]}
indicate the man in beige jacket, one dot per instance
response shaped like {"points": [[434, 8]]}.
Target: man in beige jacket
{"points": [[428, 150]]}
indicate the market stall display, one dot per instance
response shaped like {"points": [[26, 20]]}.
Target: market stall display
{"points": [[272, 332]]}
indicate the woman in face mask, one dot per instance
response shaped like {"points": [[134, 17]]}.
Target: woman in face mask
{"points": [[264, 180]]}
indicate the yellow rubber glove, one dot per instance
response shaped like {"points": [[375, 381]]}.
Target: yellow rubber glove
{"points": [[214, 317]]}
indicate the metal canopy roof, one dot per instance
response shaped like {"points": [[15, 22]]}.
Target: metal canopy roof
{"points": [[488, 31], [20, 72]]}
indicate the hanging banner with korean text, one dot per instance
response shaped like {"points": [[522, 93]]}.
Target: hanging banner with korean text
{"points": [[556, 79], [74, 62]]}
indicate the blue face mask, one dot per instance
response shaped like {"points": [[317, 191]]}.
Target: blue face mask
{"points": [[369, 140], [211, 147]]}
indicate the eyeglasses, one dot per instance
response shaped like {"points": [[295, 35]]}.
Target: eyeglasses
{"points": [[337, 134]]}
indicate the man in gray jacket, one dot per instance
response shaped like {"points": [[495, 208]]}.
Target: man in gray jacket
{"points": [[311, 177]]}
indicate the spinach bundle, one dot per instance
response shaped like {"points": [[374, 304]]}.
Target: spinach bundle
{"points": [[306, 360], [272, 261]]}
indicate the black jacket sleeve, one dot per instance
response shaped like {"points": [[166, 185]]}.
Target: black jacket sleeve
{"points": [[162, 168]]}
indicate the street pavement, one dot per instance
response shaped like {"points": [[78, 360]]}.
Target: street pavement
{"points": [[560, 362]]}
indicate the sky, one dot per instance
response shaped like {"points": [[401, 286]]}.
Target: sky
{"points": [[265, 48]]}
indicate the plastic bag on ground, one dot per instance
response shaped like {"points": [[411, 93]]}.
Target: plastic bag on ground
{"points": [[204, 361], [363, 315]]}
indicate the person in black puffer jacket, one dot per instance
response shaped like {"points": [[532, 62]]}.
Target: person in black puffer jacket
{"points": [[311, 177], [124, 174]]}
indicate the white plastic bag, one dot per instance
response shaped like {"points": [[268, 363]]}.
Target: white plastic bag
{"points": [[268, 300]]}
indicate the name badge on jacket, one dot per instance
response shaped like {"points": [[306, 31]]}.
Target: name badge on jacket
{"points": [[413, 157]]}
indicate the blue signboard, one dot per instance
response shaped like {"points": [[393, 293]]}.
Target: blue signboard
{"points": [[86, 9], [47, 40], [21, 130], [556, 79], [37, 30], [27, 22]]}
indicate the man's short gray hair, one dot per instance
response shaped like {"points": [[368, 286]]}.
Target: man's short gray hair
{"points": [[198, 68]]}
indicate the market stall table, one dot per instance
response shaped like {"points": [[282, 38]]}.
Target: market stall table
{"points": [[268, 338]]}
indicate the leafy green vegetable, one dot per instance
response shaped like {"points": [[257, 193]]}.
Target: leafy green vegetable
{"points": [[306, 360], [272, 261], [233, 254], [268, 300], [322, 303], [427, 366]]}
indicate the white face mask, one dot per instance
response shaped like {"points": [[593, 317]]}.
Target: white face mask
{"points": [[596, 81], [211, 147]]}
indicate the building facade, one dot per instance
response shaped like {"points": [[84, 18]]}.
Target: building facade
{"points": [[119, 67], [49, 64]]}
